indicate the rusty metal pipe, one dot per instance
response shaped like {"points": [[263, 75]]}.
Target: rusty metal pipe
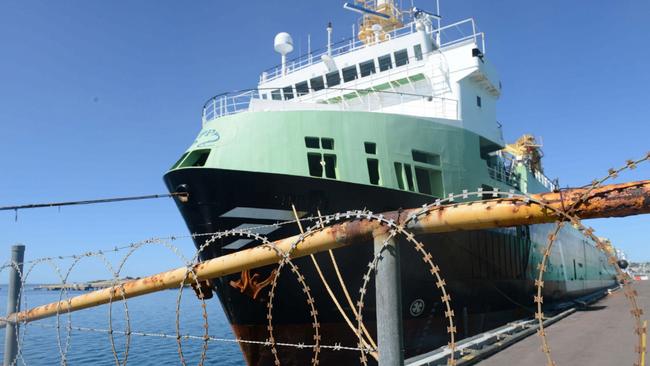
{"points": [[609, 201]]}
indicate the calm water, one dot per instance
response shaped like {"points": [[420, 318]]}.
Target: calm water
{"points": [[155, 313]]}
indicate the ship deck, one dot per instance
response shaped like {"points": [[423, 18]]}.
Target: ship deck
{"points": [[602, 334]]}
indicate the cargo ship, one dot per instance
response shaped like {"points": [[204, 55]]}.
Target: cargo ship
{"points": [[398, 116]]}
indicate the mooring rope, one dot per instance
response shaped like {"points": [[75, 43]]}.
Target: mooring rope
{"points": [[181, 195]]}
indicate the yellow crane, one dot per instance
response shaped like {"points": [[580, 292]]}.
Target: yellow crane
{"points": [[527, 150]]}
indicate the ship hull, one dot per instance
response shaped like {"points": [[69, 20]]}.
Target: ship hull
{"points": [[489, 273]]}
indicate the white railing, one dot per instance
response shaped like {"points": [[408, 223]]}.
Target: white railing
{"points": [[448, 35], [501, 174], [344, 99], [545, 181]]}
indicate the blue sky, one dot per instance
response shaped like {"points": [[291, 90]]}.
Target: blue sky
{"points": [[98, 99]]}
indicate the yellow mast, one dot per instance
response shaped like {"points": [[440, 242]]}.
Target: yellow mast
{"points": [[388, 7]]}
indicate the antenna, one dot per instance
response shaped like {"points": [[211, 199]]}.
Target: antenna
{"points": [[438, 21], [365, 11], [329, 39], [283, 44]]}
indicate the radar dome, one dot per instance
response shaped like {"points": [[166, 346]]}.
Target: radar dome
{"points": [[283, 43]]}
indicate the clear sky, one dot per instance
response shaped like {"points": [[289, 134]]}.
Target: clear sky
{"points": [[99, 99]]}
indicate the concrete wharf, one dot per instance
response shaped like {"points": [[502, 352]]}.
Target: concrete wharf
{"points": [[600, 335]]}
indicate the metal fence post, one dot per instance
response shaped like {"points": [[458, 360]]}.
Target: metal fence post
{"points": [[388, 303], [13, 302]]}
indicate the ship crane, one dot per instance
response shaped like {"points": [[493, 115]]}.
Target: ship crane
{"points": [[527, 151]]}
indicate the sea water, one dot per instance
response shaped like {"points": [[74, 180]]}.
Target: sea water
{"points": [[84, 339]]}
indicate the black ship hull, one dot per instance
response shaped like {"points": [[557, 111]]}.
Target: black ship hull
{"points": [[489, 273]]}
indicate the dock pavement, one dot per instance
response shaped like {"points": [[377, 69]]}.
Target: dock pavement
{"points": [[600, 335]]}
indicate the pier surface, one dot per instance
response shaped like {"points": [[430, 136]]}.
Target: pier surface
{"points": [[601, 335]]}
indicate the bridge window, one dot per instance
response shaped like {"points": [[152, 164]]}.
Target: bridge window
{"points": [[330, 165], [429, 181], [315, 166], [288, 92], [178, 162], [312, 142], [367, 68], [333, 78], [404, 171], [373, 171], [425, 157], [370, 147], [417, 49], [401, 58], [321, 162], [350, 73], [302, 89], [196, 158], [327, 143], [276, 94], [399, 175], [317, 83], [478, 101], [409, 177], [385, 63]]}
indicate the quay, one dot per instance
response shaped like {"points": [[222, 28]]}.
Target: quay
{"points": [[602, 334], [84, 286], [594, 332]]}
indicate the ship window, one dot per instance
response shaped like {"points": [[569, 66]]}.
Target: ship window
{"points": [[409, 177], [478, 101], [330, 165], [333, 78], [317, 83], [276, 95], [417, 49], [196, 158], [302, 88], [373, 171], [371, 147], [367, 68], [401, 58], [425, 157], [327, 143], [178, 162], [315, 166], [385, 63], [429, 181], [288, 92], [350, 73], [312, 142], [399, 176]]}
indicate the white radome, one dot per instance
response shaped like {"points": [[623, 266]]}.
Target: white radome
{"points": [[283, 43]]}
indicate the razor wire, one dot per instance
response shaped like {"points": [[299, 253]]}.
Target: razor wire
{"points": [[565, 215]]}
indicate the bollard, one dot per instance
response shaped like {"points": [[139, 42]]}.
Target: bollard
{"points": [[13, 303], [388, 303]]}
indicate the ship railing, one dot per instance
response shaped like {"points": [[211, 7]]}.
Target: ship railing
{"points": [[502, 174], [545, 181], [448, 35], [342, 99]]}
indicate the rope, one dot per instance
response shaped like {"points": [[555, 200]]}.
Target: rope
{"points": [[90, 202], [331, 293]]}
